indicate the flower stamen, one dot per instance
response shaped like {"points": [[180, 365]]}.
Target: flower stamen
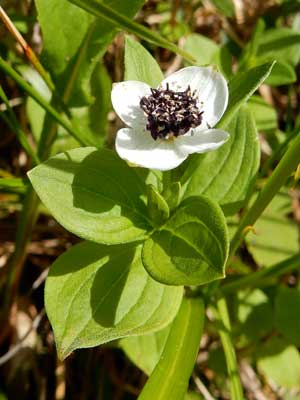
{"points": [[169, 113]]}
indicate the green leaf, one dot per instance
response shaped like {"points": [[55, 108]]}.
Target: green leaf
{"points": [[280, 363], [227, 174], [226, 7], [94, 45], [90, 120], [172, 195], [61, 36], [203, 49], [193, 396], [276, 235], [158, 208], [96, 293], [72, 50], [145, 350], [171, 375], [206, 51], [287, 305], [281, 44], [241, 88], [282, 74], [264, 114], [248, 57], [191, 248], [93, 194], [140, 65], [254, 315]]}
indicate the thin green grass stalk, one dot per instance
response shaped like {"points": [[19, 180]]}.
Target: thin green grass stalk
{"points": [[14, 125], [263, 275], [284, 169], [99, 9], [13, 185], [222, 316]]}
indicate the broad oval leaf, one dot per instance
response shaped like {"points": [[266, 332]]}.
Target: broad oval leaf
{"points": [[94, 194], [96, 293], [226, 175], [191, 248]]}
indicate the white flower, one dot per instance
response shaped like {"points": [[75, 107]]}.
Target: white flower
{"points": [[167, 124]]}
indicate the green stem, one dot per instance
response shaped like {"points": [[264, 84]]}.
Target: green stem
{"points": [[260, 277], [4, 66], [14, 125], [222, 316], [284, 169], [99, 9], [170, 378]]}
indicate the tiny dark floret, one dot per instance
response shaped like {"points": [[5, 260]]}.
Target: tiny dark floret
{"points": [[170, 114]]}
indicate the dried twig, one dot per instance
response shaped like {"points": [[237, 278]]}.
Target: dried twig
{"points": [[29, 53], [14, 350], [202, 389]]}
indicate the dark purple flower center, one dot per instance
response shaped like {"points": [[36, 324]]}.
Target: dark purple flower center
{"points": [[170, 114]]}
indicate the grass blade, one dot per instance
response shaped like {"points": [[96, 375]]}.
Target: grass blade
{"points": [[169, 380], [222, 317]]}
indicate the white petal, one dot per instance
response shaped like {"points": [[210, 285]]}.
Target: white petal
{"points": [[140, 149], [125, 98], [211, 90], [202, 141]]}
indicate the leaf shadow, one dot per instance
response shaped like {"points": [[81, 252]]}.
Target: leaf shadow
{"points": [[110, 282], [107, 283]]}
